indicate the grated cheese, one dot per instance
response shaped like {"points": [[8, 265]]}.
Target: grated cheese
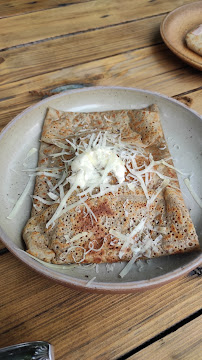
{"points": [[138, 229], [128, 266], [140, 265], [172, 167], [21, 200], [110, 267], [72, 206], [63, 177], [90, 281], [76, 237], [71, 143], [118, 235], [52, 195], [61, 154], [31, 152], [144, 188], [62, 193], [42, 169], [60, 145], [107, 119], [43, 201], [61, 206], [159, 189], [142, 248], [193, 193], [132, 186], [124, 206], [90, 212], [45, 173]]}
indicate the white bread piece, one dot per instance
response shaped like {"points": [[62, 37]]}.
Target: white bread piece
{"points": [[194, 40]]}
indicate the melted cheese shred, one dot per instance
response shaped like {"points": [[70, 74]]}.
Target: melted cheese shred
{"points": [[157, 192], [128, 266], [21, 200], [143, 248], [193, 193], [76, 237], [62, 205], [128, 239]]}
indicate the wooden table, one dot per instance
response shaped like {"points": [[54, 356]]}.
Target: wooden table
{"points": [[49, 44]]}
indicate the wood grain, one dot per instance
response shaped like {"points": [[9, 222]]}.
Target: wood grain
{"points": [[19, 7], [87, 326], [24, 62], [87, 16], [183, 344], [154, 68]]}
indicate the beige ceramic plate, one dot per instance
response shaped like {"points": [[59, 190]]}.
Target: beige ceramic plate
{"points": [[176, 25], [182, 128]]}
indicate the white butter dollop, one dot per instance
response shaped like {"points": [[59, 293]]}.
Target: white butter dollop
{"points": [[93, 166]]}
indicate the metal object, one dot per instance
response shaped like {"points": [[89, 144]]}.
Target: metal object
{"points": [[36, 350]]}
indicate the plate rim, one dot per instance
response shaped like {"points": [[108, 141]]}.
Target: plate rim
{"points": [[79, 284], [183, 57]]}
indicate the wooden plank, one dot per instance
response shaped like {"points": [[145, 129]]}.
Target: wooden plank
{"points": [[183, 344], [87, 326], [18, 7], [24, 62], [154, 68], [49, 23], [192, 100]]}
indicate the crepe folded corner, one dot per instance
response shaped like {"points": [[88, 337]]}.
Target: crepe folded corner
{"points": [[107, 219]]}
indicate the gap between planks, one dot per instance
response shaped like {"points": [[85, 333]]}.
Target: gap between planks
{"points": [[3, 251], [164, 333]]}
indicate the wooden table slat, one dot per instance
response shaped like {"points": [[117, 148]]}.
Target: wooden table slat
{"points": [[183, 344], [49, 23], [19, 7]]}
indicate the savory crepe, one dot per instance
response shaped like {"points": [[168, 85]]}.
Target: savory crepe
{"points": [[106, 190]]}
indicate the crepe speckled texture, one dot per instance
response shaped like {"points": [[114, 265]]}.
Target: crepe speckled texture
{"points": [[117, 211]]}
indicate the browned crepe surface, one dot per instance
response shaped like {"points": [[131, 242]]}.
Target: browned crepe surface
{"points": [[121, 211]]}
